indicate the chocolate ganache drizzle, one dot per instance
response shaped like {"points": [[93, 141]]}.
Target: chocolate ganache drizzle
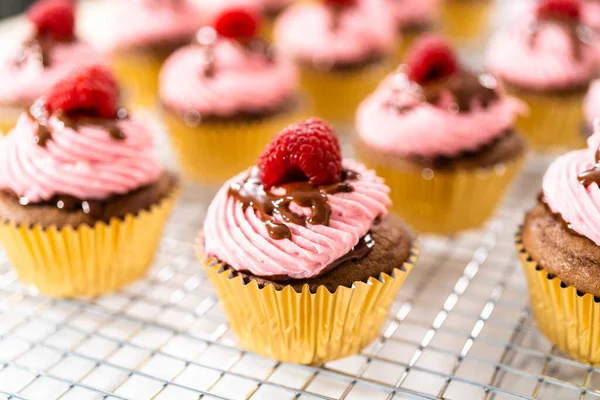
{"points": [[251, 193], [466, 89], [39, 114], [592, 175]]}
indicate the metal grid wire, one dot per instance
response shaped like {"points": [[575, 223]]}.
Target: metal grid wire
{"points": [[459, 329]]}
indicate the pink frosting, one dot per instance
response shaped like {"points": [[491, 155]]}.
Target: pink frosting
{"points": [[212, 8], [241, 82], [430, 130], [591, 13], [578, 205], [23, 84], [132, 23], [413, 12], [592, 103], [304, 32], [86, 164], [239, 238], [549, 64]]}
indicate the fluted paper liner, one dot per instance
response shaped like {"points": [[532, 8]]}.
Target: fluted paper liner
{"points": [[336, 94], [569, 319], [553, 121], [138, 73], [465, 21], [306, 328], [87, 260], [214, 152], [445, 202]]}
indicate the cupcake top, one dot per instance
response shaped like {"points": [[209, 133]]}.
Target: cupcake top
{"points": [[413, 14], [592, 103], [431, 107], [342, 32], [551, 51], [50, 54], [140, 23], [76, 143], [212, 8], [228, 72], [571, 189], [300, 212]]}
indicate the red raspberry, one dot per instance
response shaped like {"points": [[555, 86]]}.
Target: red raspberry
{"points": [[54, 18], [341, 3], [91, 91], [238, 24], [430, 59], [308, 150], [562, 9]]}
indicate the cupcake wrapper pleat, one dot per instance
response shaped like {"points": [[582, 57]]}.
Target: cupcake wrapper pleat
{"points": [[335, 95], [449, 202], [570, 320], [87, 260], [214, 152], [465, 21], [306, 328], [553, 121]]}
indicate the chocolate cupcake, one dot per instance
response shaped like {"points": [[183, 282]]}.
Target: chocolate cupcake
{"points": [[51, 52], [299, 232], [559, 247], [82, 197], [443, 138]]}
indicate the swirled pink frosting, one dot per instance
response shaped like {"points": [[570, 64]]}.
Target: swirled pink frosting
{"points": [[591, 13], [578, 205], [549, 64], [427, 129], [304, 32], [133, 23], [22, 85], [241, 82], [239, 238], [591, 105], [86, 164]]}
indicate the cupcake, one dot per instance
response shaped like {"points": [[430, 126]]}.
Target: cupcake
{"points": [[343, 55], [138, 35], [558, 246], [443, 138], [302, 251], [51, 52], [548, 62], [591, 14], [465, 21], [82, 197], [225, 96]]}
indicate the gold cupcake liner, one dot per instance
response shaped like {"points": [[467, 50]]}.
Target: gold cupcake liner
{"points": [[8, 118], [335, 95], [214, 152], [465, 21], [569, 319], [137, 73], [553, 121], [87, 260], [446, 202], [306, 328]]}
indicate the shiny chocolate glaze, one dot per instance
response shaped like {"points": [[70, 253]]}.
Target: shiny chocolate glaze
{"points": [[39, 114], [592, 175], [465, 87], [251, 193]]}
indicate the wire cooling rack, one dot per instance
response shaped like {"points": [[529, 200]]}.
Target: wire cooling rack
{"points": [[459, 329]]}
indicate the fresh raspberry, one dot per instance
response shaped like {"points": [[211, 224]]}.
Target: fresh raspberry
{"points": [[54, 18], [430, 59], [341, 3], [562, 9], [91, 91], [308, 150], [238, 24]]}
